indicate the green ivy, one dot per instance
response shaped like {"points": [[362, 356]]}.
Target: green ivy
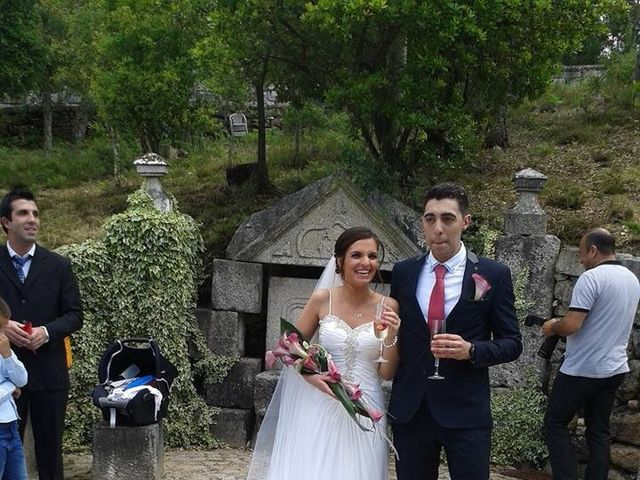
{"points": [[523, 302], [517, 437], [141, 280]]}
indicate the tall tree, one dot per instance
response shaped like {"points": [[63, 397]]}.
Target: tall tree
{"points": [[146, 71], [239, 47], [21, 51], [419, 77], [52, 35]]}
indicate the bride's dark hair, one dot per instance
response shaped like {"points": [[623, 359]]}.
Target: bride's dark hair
{"points": [[351, 236]]}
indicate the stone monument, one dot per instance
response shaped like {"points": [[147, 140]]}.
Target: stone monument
{"points": [[273, 262], [531, 255]]}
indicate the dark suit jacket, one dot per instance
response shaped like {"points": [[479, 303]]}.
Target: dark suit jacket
{"points": [[462, 400], [49, 297]]}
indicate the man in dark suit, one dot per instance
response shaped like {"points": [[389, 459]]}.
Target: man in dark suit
{"points": [[40, 288], [475, 296]]}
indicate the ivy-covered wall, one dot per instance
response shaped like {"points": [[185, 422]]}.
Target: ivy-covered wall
{"points": [[141, 280]]}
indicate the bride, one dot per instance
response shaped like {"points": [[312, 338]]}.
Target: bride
{"points": [[306, 432]]}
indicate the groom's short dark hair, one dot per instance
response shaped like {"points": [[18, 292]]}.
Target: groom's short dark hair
{"points": [[448, 190]]}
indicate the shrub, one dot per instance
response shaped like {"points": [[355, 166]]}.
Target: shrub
{"points": [[140, 280], [482, 240], [564, 196], [517, 437], [620, 208]]}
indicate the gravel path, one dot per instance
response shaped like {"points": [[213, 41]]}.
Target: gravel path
{"points": [[221, 464]]}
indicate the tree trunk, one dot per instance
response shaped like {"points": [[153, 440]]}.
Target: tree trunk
{"points": [[636, 80], [262, 172], [47, 113], [115, 148], [497, 134], [388, 130], [296, 147]]}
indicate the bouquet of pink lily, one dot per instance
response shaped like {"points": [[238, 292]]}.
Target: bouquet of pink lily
{"points": [[294, 351]]}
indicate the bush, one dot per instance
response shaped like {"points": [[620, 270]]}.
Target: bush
{"points": [[482, 240], [620, 208], [518, 415], [565, 196], [140, 280]]}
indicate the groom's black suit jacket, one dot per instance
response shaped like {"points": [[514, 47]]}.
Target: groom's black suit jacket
{"points": [[48, 297], [462, 400]]}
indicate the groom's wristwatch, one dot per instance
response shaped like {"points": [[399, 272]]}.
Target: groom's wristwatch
{"points": [[472, 352]]}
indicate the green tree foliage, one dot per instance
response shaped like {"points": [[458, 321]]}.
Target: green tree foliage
{"points": [[140, 280], [421, 78], [300, 120], [21, 52], [145, 67]]}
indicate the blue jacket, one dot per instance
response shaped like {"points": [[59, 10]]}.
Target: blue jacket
{"points": [[462, 400]]}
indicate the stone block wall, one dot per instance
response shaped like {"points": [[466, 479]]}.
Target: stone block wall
{"points": [[236, 300]]}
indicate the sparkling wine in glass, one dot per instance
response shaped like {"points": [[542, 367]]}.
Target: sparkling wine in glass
{"points": [[437, 327], [381, 330]]}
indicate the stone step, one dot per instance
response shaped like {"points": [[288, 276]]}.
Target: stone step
{"points": [[233, 426], [236, 390]]}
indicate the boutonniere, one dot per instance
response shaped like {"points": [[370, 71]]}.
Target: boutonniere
{"points": [[482, 286]]}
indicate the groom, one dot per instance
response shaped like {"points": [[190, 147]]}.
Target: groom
{"points": [[475, 296]]}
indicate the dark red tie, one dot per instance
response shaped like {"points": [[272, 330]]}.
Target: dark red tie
{"points": [[436, 302]]}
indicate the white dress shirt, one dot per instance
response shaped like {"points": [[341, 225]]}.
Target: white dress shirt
{"points": [[28, 256], [452, 281]]}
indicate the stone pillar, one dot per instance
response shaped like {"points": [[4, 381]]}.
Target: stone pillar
{"points": [[128, 453], [526, 217], [152, 167], [531, 255]]}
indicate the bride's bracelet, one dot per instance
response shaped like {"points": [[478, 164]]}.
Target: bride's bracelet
{"points": [[395, 340]]}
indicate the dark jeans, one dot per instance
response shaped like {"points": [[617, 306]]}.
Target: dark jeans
{"points": [[568, 396], [12, 464]]}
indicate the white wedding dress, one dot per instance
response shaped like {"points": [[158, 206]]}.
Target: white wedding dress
{"points": [[313, 436]]}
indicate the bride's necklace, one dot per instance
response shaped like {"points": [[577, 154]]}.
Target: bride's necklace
{"points": [[357, 313]]}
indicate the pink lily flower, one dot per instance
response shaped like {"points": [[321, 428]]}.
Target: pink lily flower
{"points": [[482, 286], [353, 390], [284, 342], [280, 351], [374, 413], [309, 364], [298, 364], [269, 359], [333, 371], [295, 348], [288, 360]]}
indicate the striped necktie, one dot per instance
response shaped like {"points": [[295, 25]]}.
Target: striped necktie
{"points": [[18, 263]]}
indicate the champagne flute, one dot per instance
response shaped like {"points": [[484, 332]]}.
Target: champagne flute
{"points": [[382, 330], [438, 327]]}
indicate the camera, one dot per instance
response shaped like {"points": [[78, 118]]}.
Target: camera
{"points": [[549, 345]]}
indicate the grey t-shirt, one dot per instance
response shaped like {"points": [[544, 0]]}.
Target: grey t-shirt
{"points": [[610, 293]]}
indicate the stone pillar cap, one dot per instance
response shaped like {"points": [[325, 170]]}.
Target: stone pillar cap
{"points": [[529, 180], [151, 165]]}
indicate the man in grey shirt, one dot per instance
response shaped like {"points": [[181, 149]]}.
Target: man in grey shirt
{"points": [[597, 327]]}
